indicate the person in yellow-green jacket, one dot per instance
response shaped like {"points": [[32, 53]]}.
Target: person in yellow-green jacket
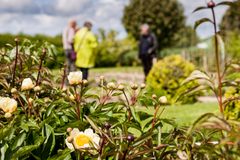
{"points": [[85, 44]]}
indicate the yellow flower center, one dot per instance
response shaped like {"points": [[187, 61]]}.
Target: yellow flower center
{"points": [[82, 139]]}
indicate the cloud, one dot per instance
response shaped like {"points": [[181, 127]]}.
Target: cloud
{"points": [[51, 16]]}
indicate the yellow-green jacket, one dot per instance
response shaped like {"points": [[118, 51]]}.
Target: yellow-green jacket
{"points": [[84, 44]]}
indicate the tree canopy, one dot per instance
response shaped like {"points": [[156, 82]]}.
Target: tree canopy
{"points": [[165, 17], [231, 19]]}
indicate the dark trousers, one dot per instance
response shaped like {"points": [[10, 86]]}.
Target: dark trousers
{"points": [[147, 63], [84, 72]]}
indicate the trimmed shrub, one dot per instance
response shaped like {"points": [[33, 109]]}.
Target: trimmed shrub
{"points": [[166, 77]]}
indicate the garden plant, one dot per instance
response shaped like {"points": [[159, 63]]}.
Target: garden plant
{"points": [[40, 119]]}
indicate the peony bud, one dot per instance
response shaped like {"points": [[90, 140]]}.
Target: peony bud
{"points": [[154, 96], [37, 89], [13, 90], [75, 78], [8, 105], [72, 97], [27, 84], [143, 86], [102, 78], [111, 85], [163, 100], [130, 138], [7, 115], [30, 100], [70, 139], [211, 4], [107, 125], [134, 86], [69, 130], [85, 82], [121, 87]]}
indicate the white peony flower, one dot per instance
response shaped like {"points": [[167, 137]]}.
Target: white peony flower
{"points": [[27, 84], [75, 78], [83, 140], [8, 105], [163, 100]]}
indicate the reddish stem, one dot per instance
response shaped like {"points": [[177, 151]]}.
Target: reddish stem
{"points": [[15, 63], [220, 101], [40, 66]]}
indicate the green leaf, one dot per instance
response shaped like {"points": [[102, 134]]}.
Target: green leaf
{"points": [[3, 151], [225, 3], [62, 155], [27, 149], [201, 21], [200, 8], [19, 140], [49, 142]]}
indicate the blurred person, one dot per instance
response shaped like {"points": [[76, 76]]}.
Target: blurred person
{"points": [[147, 48], [68, 38], [84, 44]]}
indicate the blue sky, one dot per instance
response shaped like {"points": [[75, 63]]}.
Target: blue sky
{"points": [[50, 16]]}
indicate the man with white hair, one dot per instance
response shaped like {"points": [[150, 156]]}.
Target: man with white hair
{"points": [[147, 48], [68, 38]]}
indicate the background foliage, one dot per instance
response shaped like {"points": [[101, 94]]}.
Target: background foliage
{"points": [[167, 75], [166, 20]]}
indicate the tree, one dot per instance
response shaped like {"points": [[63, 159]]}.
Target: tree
{"points": [[231, 19], [165, 17]]}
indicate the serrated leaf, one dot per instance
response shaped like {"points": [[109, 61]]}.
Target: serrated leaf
{"points": [[200, 8], [201, 21]]}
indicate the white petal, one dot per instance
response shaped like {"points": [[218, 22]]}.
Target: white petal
{"points": [[69, 145], [89, 132], [74, 132], [86, 145]]}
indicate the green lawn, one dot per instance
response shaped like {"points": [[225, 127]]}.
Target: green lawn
{"points": [[116, 69], [185, 115]]}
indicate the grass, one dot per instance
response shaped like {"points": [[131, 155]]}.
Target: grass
{"points": [[185, 115], [116, 69]]}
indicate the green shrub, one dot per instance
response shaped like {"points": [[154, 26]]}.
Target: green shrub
{"points": [[166, 77], [232, 109]]}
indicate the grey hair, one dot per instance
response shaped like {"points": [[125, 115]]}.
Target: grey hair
{"points": [[145, 26]]}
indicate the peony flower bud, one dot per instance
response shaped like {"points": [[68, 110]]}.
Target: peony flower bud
{"points": [[70, 139], [163, 100], [211, 4], [27, 84], [7, 115], [13, 90], [130, 138], [72, 97], [121, 87], [134, 86], [69, 130], [111, 85], [143, 86], [102, 78], [154, 96], [85, 82], [30, 100], [37, 89], [75, 78]]}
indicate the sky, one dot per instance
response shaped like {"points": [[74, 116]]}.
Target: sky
{"points": [[51, 16]]}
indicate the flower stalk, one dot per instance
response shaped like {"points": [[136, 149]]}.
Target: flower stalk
{"points": [[44, 51], [15, 62], [219, 77]]}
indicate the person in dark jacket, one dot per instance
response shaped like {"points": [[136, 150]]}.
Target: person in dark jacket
{"points": [[147, 48]]}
